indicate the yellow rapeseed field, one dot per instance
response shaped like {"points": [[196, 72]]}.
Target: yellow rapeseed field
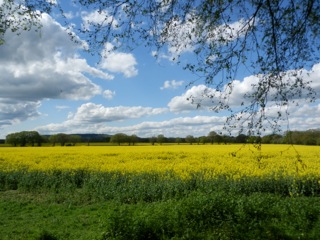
{"points": [[231, 160]]}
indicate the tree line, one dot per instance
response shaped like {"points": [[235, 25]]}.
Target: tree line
{"points": [[310, 137], [33, 138]]}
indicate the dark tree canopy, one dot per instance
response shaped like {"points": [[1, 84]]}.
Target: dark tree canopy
{"points": [[273, 39], [23, 138], [120, 138]]}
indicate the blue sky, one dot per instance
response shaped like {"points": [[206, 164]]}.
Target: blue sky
{"points": [[49, 84]]}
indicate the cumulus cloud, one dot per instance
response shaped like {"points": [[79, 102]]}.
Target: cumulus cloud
{"points": [[180, 37], [94, 116], [118, 62], [175, 127], [37, 67], [299, 117], [240, 92], [96, 113], [304, 117], [42, 65], [228, 32], [195, 97], [173, 84], [13, 111], [183, 36], [98, 17], [198, 125], [314, 77], [108, 94], [97, 118]]}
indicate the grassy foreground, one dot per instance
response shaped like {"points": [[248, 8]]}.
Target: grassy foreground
{"points": [[83, 203]]}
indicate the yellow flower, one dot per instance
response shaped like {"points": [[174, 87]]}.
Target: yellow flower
{"points": [[183, 160]]}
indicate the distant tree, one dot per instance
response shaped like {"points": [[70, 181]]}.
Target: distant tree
{"points": [[53, 139], [218, 139], [61, 138], [74, 139], [33, 137], [203, 140], [152, 140], [12, 139], [133, 139], [309, 137], [287, 137], [44, 139], [119, 138], [311, 141], [241, 138], [178, 140], [161, 139], [227, 139], [272, 138], [190, 139], [254, 139], [212, 136], [312, 136], [23, 138]]}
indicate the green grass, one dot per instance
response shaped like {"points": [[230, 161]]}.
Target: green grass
{"points": [[33, 216], [85, 205]]}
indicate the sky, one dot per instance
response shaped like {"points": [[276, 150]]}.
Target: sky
{"points": [[49, 84]]}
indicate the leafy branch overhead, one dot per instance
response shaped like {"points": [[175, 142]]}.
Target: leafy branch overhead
{"points": [[277, 41]]}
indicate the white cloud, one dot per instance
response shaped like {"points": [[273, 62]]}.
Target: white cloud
{"points": [[36, 66], [199, 94], [314, 76], [240, 89], [228, 32], [69, 15], [199, 125], [180, 37], [108, 94], [304, 117], [118, 62], [102, 18], [92, 117], [175, 127], [173, 84], [207, 98], [13, 111], [54, 2], [183, 36], [300, 117], [97, 118], [97, 113]]}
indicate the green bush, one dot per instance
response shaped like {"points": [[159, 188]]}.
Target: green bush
{"points": [[150, 187], [218, 216]]}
